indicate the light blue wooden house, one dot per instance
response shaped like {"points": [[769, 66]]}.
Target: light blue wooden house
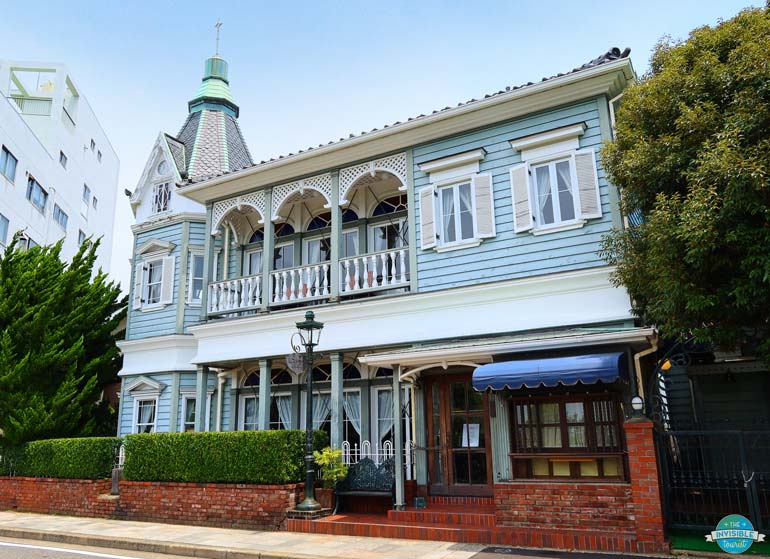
{"points": [[471, 329]]}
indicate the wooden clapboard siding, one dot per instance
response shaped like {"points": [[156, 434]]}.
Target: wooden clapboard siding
{"points": [[158, 322], [162, 411], [510, 255]]}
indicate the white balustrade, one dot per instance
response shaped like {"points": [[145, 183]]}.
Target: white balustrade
{"points": [[370, 272], [292, 285], [235, 294]]}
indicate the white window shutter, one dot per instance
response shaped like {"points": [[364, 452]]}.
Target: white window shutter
{"points": [[427, 218], [588, 184], [522, 209], [167, 281], [485, 205], [138, 284]]}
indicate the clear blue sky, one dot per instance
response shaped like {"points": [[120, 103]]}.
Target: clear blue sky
{"points": [[305, 73]]}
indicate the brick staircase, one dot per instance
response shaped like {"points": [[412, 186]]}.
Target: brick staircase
{"points": [[450, 519]]}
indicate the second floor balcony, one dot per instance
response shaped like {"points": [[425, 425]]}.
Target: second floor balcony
{"points": [[318, 253]]}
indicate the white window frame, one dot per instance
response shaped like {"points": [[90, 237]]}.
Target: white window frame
{"points": [[273, 395], [242, 411], [5, 225], [374, 415], [155, 260], [372, 228], [186, 396], [354, 233], [58, 213], [247, 261], [4, 171], [459, 243], [558, 224], [31, 195], [293, 255], [155, 210], [306, 252], [138, 398], [191, 277]]}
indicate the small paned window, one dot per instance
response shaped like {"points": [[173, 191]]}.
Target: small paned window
{"points": [[99, 156], [95, 202], [93, 144], [257, 236], [283, 229], [190, 404], [60, 217], [8, 164], [554, 192], [86, 194], [154, 280], [576, 437], [391, 205], [3, 230], [36, 194], [196, 277], [81, 237]]}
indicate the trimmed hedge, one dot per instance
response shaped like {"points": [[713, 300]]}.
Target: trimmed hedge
{"points": [[86, 458], [265, 457]]}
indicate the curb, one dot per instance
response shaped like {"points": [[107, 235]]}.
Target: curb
{"points": [[146, 546]]}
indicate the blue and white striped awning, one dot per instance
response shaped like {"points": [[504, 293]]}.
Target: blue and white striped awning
{"points": [[551, 371]]}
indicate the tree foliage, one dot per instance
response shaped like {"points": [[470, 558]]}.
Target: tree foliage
{"points": [[57, 349], [691, 156]]}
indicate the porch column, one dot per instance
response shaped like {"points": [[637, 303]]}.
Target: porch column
{"points": [[398, 438], [201, 389], [336, 400], [420, 436], [336, 242], [267, 250], [208, 264], [265, 376], [233, 417]]}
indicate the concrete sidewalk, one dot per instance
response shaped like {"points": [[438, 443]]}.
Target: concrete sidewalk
{"points": [[219, 543]]}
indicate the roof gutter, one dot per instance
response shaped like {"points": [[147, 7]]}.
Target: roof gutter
{"points": [[521, 92]]}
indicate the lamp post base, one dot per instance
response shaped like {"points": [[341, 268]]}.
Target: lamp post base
{"points": [[308, 505]]}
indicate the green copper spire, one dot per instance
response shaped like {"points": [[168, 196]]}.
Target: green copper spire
{"points": [[214, 92]]}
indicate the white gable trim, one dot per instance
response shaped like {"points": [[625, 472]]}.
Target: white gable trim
{"points": [[159, 150], [155, 246], [145, 386], [460, 159], [549, 143]]}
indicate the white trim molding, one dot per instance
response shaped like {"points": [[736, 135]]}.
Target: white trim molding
{"points": [[458, 160], [558, 140], [155, 246], [550, 301], [158, 355]]}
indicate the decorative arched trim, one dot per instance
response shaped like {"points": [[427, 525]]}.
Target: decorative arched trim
{"points": [[395, 165], [413, 374], [255, 200], [320, 183]]}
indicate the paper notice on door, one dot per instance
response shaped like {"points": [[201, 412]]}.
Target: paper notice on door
{"points": [[471, 435]]}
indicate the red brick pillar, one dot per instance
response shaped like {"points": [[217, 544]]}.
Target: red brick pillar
{"points": [[645, 486]]}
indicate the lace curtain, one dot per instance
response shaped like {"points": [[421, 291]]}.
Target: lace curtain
{"points": [[352, 404]]}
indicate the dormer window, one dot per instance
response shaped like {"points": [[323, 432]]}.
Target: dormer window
{"points": [[161, 196]]}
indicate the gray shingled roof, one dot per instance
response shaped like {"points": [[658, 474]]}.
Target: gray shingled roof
{"points": [[609, 56], [178, 153]]}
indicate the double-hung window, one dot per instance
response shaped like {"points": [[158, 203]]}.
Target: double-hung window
{"points": [[86, 200], [8, 164], [317, 250], [161, 196], [60, 217], [37, 195], [196, 278], [570, 436], [254, 262], [283, 256], [188, 413], [554, 190], [249, 413], [154, 275], [349, 243], [456, 205], [146, 411]]}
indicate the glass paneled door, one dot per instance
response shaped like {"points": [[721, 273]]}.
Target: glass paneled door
{"points": [[459, 459]]}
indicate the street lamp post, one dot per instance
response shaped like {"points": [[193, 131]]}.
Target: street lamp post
{"points": [[309, 334]]}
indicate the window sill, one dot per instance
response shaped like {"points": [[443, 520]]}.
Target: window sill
{"points": [[470, 243], [153, 308], [567, 226]]}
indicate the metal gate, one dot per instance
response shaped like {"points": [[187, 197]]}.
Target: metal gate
{"points": [[707, 475]]}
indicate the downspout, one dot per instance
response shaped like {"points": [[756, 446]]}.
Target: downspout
{"points": [[221, 377], [638, 366]]}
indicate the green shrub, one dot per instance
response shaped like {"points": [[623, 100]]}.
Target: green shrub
{"points": [[333, 469], [86, 458], [10, 458], [267, 457]]}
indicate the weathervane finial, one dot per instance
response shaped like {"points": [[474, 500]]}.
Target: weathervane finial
{"points": [[218, 25]]}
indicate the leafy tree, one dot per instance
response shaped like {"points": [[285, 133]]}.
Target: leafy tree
{"points": [[691, 156], [57, 349]]}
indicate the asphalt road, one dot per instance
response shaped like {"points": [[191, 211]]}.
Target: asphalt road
{"points": [[19, 549]]}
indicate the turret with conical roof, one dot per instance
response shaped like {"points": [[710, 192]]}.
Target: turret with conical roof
{"points": [[210, 141]]}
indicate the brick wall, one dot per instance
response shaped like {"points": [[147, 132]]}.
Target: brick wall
{"points": [[587, 515], [74, 497], [208, 504], [200, 504]]}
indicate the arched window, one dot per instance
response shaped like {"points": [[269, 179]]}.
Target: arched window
{"points": [[321, 221], [252, 380], [257, 236], [282, 377], [351, 372], [348, 216], [284, 229], [382, 372], [391, 205]]}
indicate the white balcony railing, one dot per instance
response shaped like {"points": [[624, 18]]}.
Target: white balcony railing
{"points": [[33, 105], [235, 295], [301, 283], [387, 269]]}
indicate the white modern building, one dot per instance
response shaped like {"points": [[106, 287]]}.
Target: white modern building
{"points": [[58, 170]]}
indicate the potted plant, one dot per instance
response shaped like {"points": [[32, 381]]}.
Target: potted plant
{"points": [[333, 469]]}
